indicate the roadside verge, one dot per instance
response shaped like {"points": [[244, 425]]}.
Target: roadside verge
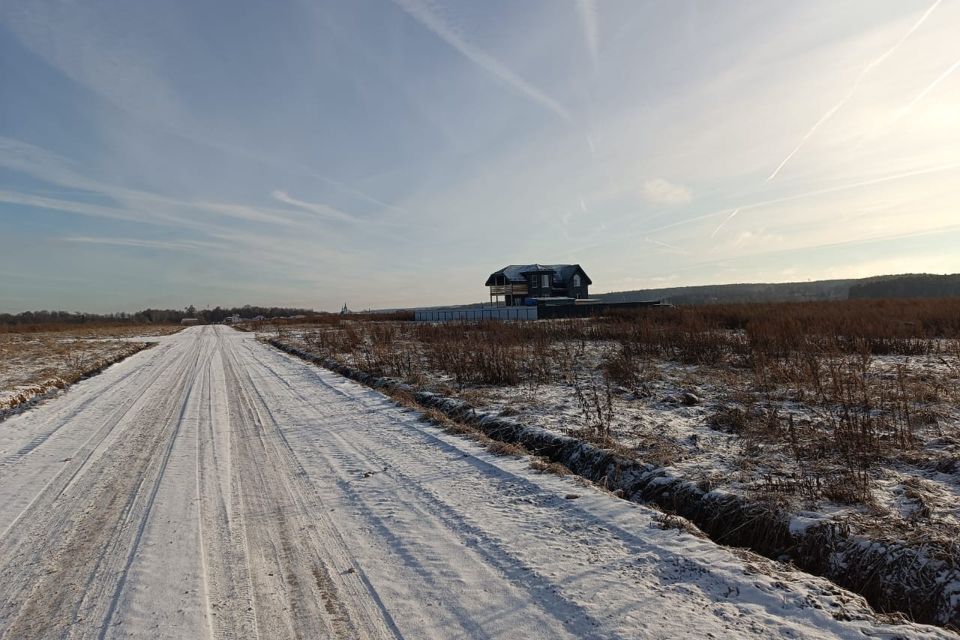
{"points": [[30, 396]]}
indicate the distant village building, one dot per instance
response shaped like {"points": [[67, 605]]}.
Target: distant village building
{"points": [[189, 322], [528, 284], [344, 311]]}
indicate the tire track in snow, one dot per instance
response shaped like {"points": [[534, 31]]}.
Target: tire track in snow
{"points": [[79, 457], [74, 564], [319, 583], [467, 539], [225, 545], [77, 401], [151, 496]]}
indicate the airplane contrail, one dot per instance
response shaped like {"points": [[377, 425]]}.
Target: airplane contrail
{"points": [[665, 245], [434, 23], [725, 221], [853, 88], [807, 194], [928, 89]]}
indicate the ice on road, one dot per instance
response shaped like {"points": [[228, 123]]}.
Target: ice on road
{"points": [[213, 487]]}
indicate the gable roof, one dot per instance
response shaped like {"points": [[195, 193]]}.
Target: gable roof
{"points": [[517, 272]]}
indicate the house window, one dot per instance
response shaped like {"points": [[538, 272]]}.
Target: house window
{"points": [[576, 280], [545, 281]]}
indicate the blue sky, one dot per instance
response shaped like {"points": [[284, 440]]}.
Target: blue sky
{"points": [[394, 153]]}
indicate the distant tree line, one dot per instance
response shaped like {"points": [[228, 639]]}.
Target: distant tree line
{"points": [[895, 286], [738, 293], [147, 316], [922, 285]]}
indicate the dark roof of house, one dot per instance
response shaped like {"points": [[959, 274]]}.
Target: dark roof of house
{"points": [[517, 272]]}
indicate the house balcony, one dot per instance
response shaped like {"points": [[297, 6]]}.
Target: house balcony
{"points": [[508, 290]]}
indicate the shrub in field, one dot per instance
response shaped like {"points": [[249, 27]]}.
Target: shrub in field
{"points": [[821, 355], [595, 400], [620, 367]]}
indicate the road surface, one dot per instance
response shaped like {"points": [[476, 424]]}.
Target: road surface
{"points": [[213, 487]]}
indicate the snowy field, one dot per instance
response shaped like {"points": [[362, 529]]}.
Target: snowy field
{"points": [[675, 419], [782, 442], [37, 363], [215, 487], [709, 423]]}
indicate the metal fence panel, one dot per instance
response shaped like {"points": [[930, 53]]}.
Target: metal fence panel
{"points": [[476, 315]]}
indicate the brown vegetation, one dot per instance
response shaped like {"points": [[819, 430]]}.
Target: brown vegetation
{"points": [[808, 382], [841, 416], [36, 361]]}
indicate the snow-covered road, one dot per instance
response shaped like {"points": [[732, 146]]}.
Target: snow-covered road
{"points": [[215, 487]]}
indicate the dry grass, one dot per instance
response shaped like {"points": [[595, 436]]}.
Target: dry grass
{"points": [[35, 362], [672, 521], [762, 338], [792, 406], [440, 419], [807, 383], [90, 329], [546, 466]]}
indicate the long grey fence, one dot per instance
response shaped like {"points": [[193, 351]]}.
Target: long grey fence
{"points": [[473, 315]]}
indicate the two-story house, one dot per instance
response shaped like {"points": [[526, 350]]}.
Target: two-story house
{"points": [[521, 284]]}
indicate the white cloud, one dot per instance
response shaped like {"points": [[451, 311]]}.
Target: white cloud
{"points": [[662, 191]]}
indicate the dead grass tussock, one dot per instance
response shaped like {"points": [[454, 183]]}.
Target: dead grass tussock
{"points": [[543, 465], [505, 448], [670, 521]]}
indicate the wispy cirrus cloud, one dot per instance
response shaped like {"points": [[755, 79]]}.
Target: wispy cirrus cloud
{"points": [[140, 243], [662, 191], [665, 245], [103, 56], [74, 39], [591, 29], [729, 215], [133, 205], [318, 208], [73, 206]]}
